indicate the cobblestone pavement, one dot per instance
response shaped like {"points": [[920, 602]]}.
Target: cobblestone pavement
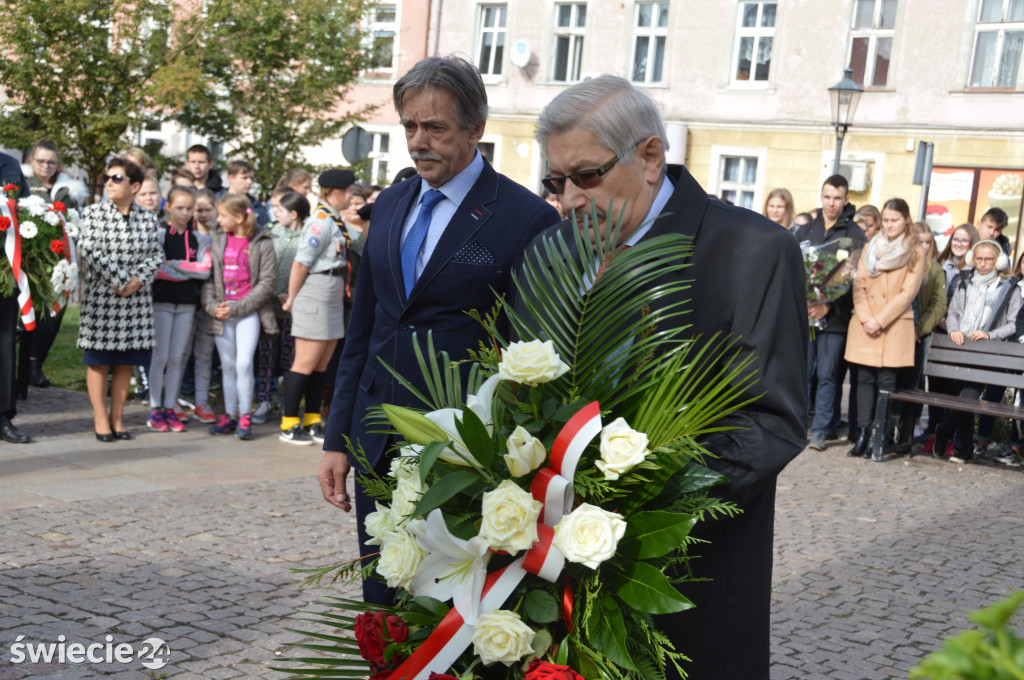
{"points": [[191, 539]]}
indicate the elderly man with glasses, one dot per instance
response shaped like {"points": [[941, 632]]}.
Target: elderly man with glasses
{"points": [[605, 144]]}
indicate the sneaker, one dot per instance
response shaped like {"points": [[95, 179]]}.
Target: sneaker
{"points": [[204, 414], [295, 435], [157, 421], [187, 401], [1010, 459], [173, 422], [180, 415], [927, 446], [316, 432], [960, 461], [817, 442], [225, 425], [262, 413], [244, 427]]}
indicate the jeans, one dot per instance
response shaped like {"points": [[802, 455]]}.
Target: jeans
{"points": [[237, 347], [172, 329], [867, 393], [823, 357]]}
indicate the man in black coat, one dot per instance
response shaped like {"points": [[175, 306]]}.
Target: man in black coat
{"points": [[604, 139], [833, 228], [10, 173]]}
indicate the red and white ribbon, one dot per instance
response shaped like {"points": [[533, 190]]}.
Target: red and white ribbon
{"points": [[552, 486], [12, 247]]}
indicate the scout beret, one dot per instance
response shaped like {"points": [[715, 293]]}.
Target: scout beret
{"points": [[336, 178]]}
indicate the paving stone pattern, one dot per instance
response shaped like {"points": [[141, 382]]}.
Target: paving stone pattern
{"points": [[875, 563]]}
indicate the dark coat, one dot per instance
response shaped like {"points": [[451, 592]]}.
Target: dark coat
{"points": [[814, 232], [748, 282], [495, 221]]}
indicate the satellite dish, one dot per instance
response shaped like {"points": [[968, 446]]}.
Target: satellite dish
{"points": [[356, 144], [521, 53]]}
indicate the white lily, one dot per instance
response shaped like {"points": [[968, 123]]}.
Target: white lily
{"points": [[454, 569], [480, 404]]}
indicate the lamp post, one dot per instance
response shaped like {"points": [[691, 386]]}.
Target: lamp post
{"points": [[845, 96]]}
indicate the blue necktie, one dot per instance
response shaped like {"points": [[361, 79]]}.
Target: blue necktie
{"points": [[415, 238]]}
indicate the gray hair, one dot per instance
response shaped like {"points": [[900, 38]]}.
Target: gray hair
{"points": [[609, 106], [455, 74]]}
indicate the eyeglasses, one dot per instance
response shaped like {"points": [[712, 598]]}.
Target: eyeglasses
{"points": [[116, 179], [962, 241], [585, 179], [46, 163]]}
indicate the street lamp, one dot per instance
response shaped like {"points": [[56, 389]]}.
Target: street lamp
{"points": [[845, 96]]}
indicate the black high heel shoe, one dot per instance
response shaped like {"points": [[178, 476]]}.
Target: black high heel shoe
{"points": [[106, 438], [124, 436]]}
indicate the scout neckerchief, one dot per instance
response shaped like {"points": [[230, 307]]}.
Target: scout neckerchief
{"points": [[348, 242]]}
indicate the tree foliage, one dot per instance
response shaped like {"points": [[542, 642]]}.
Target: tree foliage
{"points": [[79, 72], [266, 76]]}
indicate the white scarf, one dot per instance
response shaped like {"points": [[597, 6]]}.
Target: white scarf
{"points": [[885, 255], [974, 308]]}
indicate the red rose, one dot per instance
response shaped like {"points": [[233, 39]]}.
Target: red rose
{"points": [[57, 246], [59, 207], [369, 629], [11, 187], [544, 670], [438, 676], [4, 223]]}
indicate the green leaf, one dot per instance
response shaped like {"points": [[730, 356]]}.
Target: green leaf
{"points": [[607, 631], [646, 589], [694, 477], [562, 657], [541, 642], [476, 437], [436, 607], [540, 606], [415, 427], [429, 456], [998, 615], [444, 490], [655, 533]]}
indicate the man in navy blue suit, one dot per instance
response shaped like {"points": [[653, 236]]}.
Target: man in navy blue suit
{"points": [[440, 243]]}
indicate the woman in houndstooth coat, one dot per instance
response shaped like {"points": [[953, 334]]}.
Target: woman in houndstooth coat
{"points": [[121, 255]]}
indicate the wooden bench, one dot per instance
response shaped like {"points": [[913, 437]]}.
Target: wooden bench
{"points": [[988, 362]]}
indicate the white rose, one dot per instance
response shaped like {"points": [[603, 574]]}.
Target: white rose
{"points": [[407, 464], [510, 518], [28, 229], [404, 498], [622, 449], [502, 636], [842, 254], [400, 557], [589, 535], [379, 523], [525, 452], [531, 362]]}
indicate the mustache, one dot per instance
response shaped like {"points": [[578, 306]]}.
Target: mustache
{"points": [[583, 215], [425, 156]]}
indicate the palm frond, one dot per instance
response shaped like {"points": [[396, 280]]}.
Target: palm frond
{"points": [[594, 315]]}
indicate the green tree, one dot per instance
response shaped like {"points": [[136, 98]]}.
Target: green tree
{"points": [[267, 76], [79, 72]]}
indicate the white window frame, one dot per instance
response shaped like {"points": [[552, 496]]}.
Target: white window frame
{"points": [[487, 70], [496, 140], [653, 32], [757, 32], [717, 185], [1000, 28], [373, 27], [575, 35], [874, 33]]}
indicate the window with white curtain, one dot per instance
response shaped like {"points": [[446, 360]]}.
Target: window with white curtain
{"points": [[755, 34], [570, 28], [871, 41], [998, 39], [650, 35]]}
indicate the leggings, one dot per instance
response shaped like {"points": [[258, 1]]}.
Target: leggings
{"points": [[277, 352], [236, 347], [202, 350], [172, 327]]}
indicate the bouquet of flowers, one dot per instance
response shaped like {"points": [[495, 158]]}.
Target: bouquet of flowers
{"points": [[40, 259], [534, 527], [829, 275]]}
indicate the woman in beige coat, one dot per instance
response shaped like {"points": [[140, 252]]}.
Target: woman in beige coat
{"points": [[881, 336]]}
